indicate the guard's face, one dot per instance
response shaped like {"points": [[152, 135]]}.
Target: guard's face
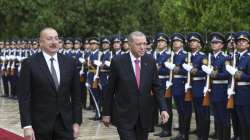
{"points": [[49, 42], [68, 45], [231, 45], [138, 46], [1, 45], [77, 45], [194, 44], [242, 45], [177, 44], [161, 44], [117, 45], [125, 46], [93, 45], [216, 46], [105, 46]]}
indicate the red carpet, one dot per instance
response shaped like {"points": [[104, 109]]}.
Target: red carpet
{"points": [[6, 135]]}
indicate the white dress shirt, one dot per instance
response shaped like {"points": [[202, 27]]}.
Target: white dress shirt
{"points": [[55, 63], [133, 58]]}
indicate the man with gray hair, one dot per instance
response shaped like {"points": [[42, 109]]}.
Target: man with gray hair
{"points": [[128, 102]]}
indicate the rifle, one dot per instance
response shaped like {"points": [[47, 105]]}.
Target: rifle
{"points": [[82, 68], [188, 92], [96, 77], [230, 101], [206, 99], [168, 92]]}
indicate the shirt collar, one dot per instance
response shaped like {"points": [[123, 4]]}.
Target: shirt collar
{"points": [[133, 58], [178, 51], [47, 57], [216, 54], [242, 53]]}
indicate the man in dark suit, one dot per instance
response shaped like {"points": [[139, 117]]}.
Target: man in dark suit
{"points": [[128, 102], [49, 93]]}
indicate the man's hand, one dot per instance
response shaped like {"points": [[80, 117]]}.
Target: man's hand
{"points": [[106, 120], [29, 134], [76, 130], [164, 116]]}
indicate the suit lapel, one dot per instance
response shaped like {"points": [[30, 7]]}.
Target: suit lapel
{"points": [[143, 72], [131, 70], [45, 69], [62, 70]]}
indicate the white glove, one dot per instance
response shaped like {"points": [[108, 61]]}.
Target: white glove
{"points": [[169, 65], [206, 69], [87, 85], [2, 58], [205, 90], [230, 92], [82, 60], [96, 77], [231, 70], [81, 72], [187, 67], [107, 63], [168, 84], [97, 63], [187, 86]]}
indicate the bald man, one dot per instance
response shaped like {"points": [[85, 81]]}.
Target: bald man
{"points": [[49, 93]]}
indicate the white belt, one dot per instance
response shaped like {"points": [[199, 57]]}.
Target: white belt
{"points": [[198, 78], [220, 82], [163, 76], [180, 76], [243, 83]]}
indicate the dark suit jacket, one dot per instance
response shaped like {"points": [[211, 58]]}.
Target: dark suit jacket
{"points": [[123, 101], [40, 102]]}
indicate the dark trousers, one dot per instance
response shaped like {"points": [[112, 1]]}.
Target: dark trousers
{"points": [[235, 122], [59, 132], [83, 93], [184, 110], [203, 116], [5, 85], [135, 133], [243, 112]]}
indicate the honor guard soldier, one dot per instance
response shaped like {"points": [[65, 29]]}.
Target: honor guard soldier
{"points": [[61, 44], [116, 45], [178, 89], [241, 73], [87, 52], [104, 69], [161, 56], [219, 85], [125, 46], [93, 75], [198, 80], [231, 47], [68, 46], [150, 43]]}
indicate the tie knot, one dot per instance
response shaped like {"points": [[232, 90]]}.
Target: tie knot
{"points": [[52, 59], [137, 61]]}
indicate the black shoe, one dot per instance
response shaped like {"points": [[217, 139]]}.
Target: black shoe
{"points": [[235, 138], [163, 133], [213, 136], [193, 131], [178, 137]]}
